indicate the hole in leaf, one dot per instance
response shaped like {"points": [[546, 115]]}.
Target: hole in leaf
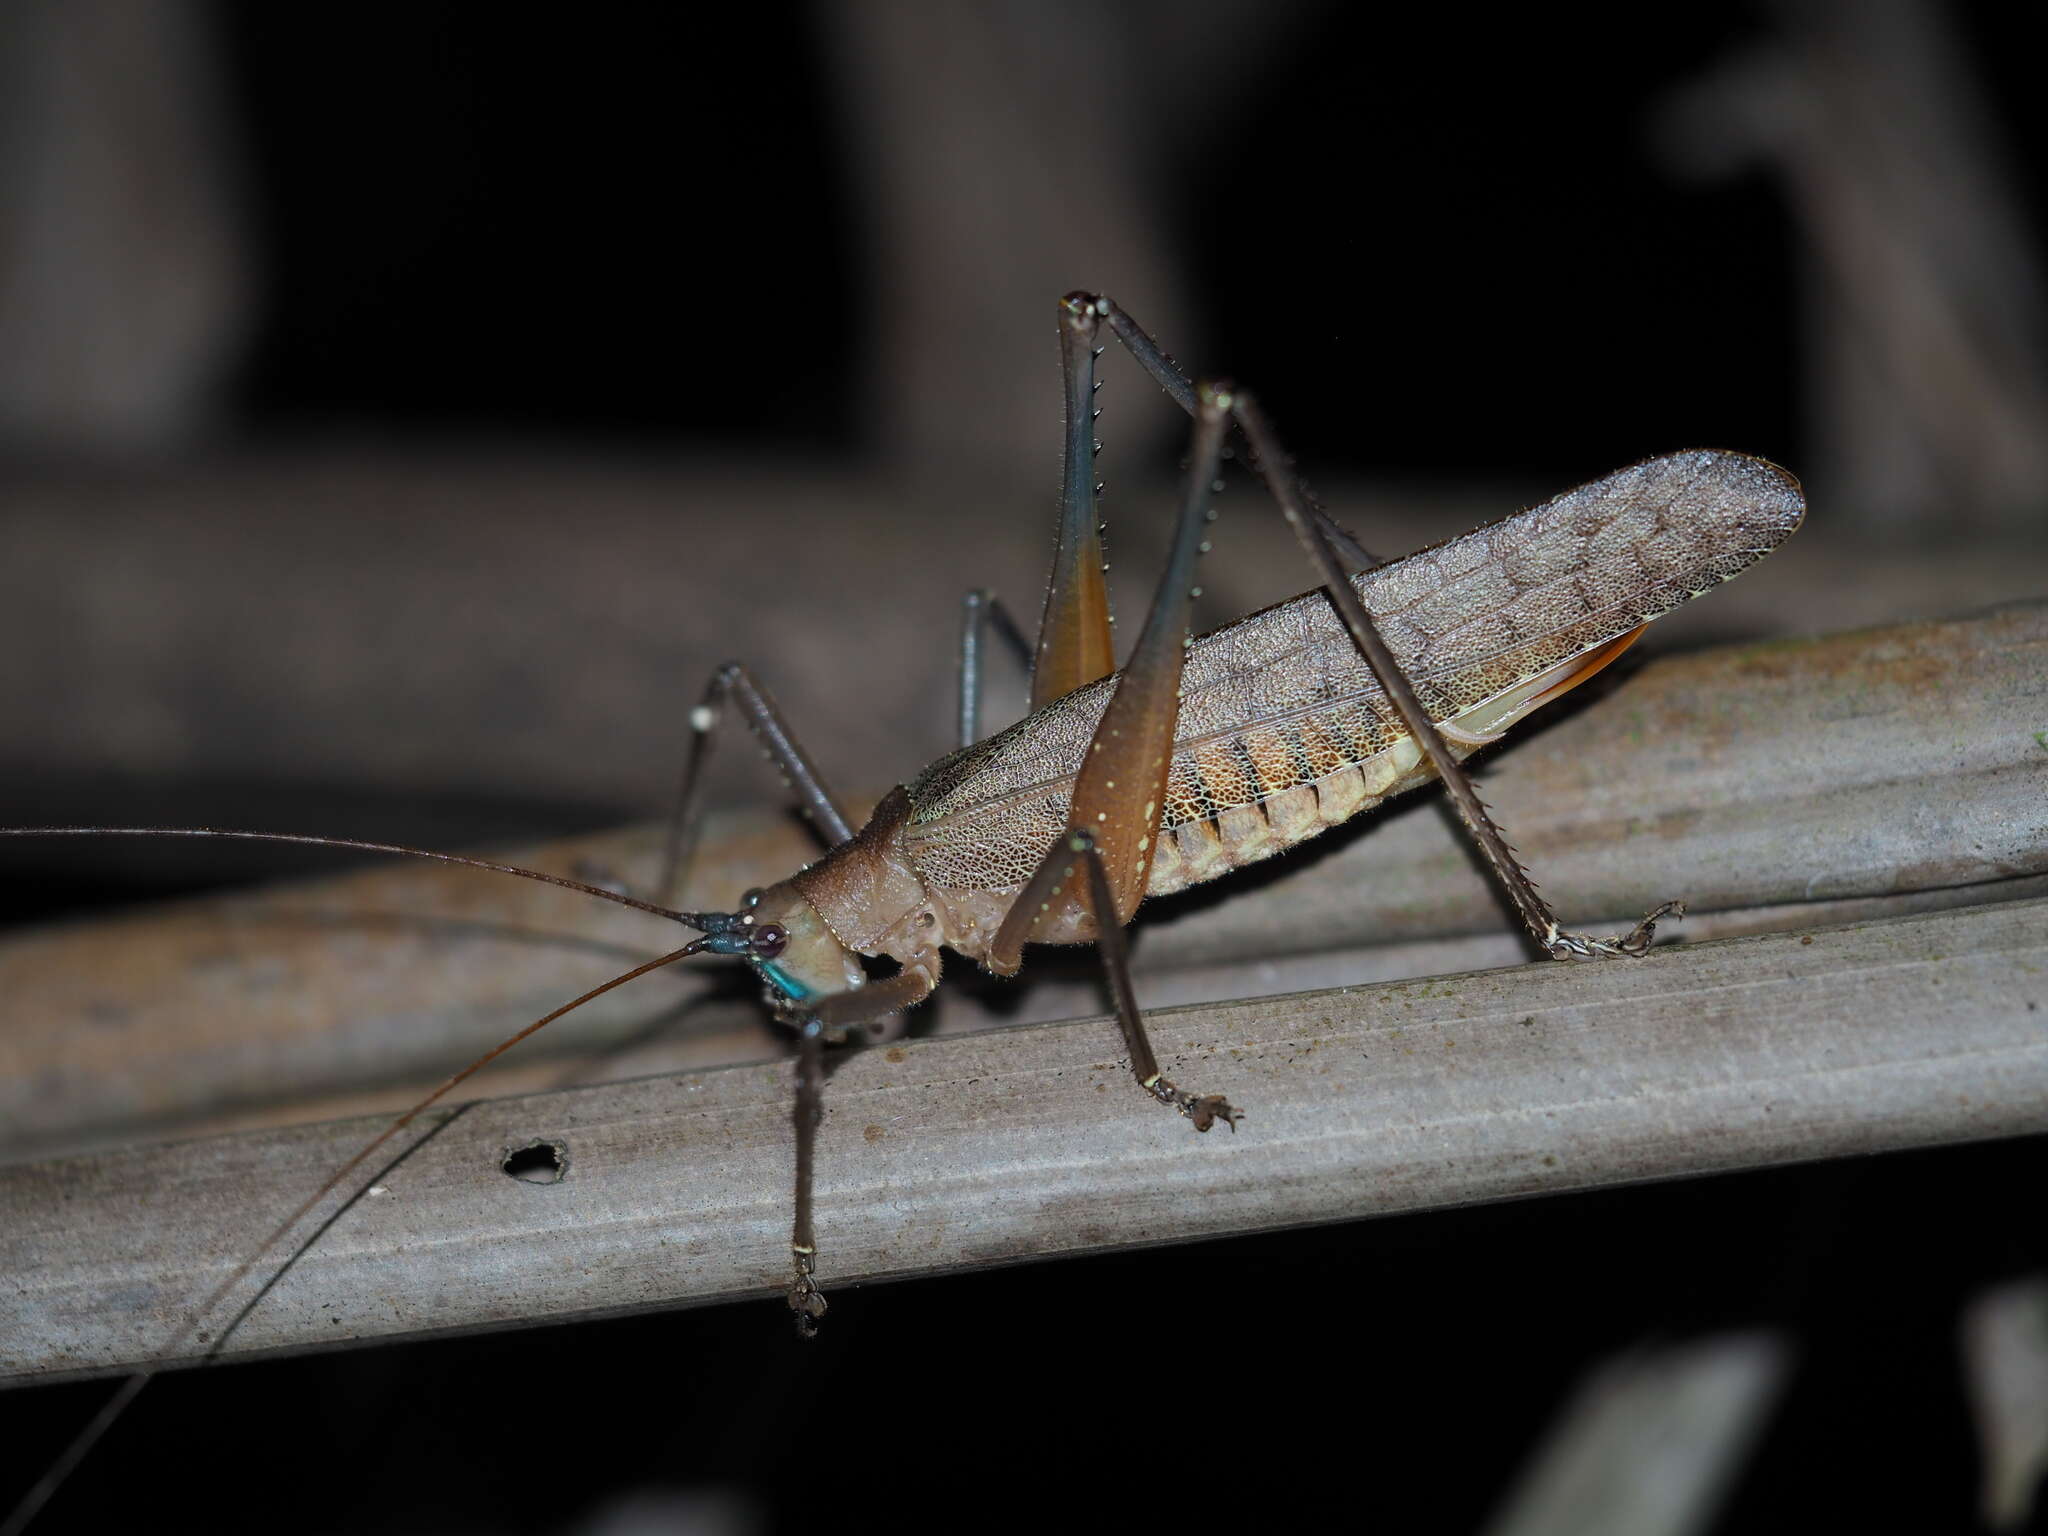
{"points": [[538, 1162]]}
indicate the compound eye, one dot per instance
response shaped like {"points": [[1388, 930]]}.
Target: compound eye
{"points": [[770, 939]]}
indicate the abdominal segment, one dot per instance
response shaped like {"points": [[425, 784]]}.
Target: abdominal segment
{"points": [[1250, 794], [1200, 838]]}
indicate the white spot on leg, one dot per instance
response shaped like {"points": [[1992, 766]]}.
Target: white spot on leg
{"points": [[701, 718]]}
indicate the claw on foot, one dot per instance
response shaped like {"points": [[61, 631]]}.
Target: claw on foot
{"points": [[1210, 1108], [1204, 1109], [1635, 943], [806, 1300]]}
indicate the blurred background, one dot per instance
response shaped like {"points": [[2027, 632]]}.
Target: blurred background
{"points": [[402, 409]]}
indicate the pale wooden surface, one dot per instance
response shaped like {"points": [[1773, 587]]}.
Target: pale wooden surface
{"points": [[1013, 1144], [1771, 784]]}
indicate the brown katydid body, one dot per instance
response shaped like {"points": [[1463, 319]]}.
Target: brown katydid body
{"points": [[1198, 757], [1283, 729]]}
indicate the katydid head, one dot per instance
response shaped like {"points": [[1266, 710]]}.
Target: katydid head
{"points": [[779, 934]]}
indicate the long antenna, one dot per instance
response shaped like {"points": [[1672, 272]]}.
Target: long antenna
{"points": [[82, 1443], [360, 847]]}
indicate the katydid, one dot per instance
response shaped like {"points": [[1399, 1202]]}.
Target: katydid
{"points": [[1197, 757]]}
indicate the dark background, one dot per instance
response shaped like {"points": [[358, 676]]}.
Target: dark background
{"points": [[1452, 249], [1430, 249]]}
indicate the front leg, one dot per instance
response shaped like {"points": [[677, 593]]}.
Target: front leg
{"points": [[832, 1022], [805, 1299]]}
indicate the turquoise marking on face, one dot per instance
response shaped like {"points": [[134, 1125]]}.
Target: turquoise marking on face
{"points": [[790, 987]]}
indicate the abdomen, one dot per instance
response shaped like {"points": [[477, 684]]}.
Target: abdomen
{"points": [[1283, 729]]}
